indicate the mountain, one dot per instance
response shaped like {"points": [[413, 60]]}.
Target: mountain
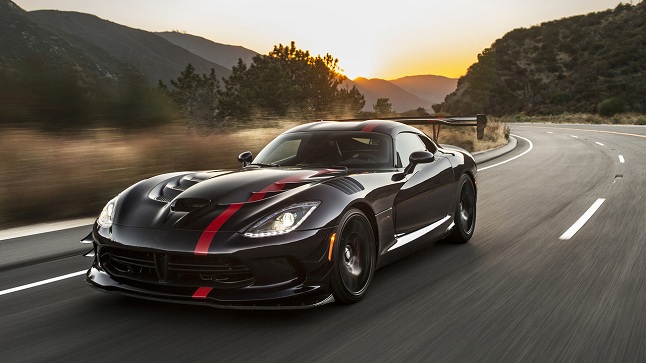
{"points": [[584, 63], [375, 88], [428, 87], [222, 54], [154, 56], [23, 41], [100, 49], [405, 94]]}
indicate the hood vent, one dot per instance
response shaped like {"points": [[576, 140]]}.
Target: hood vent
{"points": [[188, 204], [347, 185], [175, 187]]}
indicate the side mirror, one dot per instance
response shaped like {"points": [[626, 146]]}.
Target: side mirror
{"points": [[418, 157], [245, 158]]}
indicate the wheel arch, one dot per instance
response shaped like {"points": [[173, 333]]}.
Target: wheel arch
{"points": [[370, 214]]}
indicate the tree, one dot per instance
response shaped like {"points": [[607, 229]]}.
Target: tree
{"points": [[349, 103], [286, 80], [383, 108], [186, 90], [197, 96]]}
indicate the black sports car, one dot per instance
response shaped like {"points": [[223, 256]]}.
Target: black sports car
{"points": [[305, 223]]}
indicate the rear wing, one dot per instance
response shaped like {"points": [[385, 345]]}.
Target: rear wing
{"points": [[480, 121]]}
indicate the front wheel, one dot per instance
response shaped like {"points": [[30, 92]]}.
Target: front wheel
{"points": [[465, 212], [354, 259]]}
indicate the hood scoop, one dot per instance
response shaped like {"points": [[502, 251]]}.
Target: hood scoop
{"points": [[188, 204], [169, 190]]}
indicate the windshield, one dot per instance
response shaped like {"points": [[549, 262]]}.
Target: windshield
{"points": [[348, 149]]}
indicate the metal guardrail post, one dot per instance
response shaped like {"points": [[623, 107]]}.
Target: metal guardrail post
{"points": [[481, 121]]}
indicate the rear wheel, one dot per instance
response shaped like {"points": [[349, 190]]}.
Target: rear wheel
{"points": [[354, 258], [465, 212]]}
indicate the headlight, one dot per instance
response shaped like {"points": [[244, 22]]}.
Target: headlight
{"points": [[107, 214], [283, 221]]}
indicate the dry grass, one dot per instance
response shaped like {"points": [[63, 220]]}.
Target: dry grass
{"points": [[496, 134], [46, 177]]}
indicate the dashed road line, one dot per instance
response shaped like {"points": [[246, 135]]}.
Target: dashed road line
{"points": [[582, 220], [598, 143], [621, 159], [43, 282], [44, 228]]}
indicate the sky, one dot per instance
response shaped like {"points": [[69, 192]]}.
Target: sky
{"points": [[372, 39]]}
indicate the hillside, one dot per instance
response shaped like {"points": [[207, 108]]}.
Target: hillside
{"points": [[153, 55], [375, 88], [428, 87], [222, 54], [23, 41], [568, 65]]}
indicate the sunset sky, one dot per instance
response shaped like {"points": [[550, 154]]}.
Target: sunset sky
{"points": [[372, 39]]}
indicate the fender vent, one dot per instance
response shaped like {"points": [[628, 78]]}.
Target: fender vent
{"points": [[188, 204], [347, 185]]}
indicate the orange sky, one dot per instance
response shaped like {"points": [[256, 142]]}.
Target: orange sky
{"points": [[372, 39]]}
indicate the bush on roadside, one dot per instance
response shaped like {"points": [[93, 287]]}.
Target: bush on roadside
{"points": [[611, 106]]}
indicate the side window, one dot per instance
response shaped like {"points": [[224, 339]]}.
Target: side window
{"points": [[430, 145], [406, 144]]}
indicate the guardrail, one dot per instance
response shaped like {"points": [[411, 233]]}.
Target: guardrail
{"points": [[480, 121]]}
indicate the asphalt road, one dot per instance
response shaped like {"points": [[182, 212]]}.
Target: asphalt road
{"points": [[524, 289]]}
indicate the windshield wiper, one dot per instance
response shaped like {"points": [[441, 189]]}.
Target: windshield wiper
{"points": [[322, 165], [262, 165]]}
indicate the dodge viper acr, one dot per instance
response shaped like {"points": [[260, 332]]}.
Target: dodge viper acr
{"points": [[305, 222]]}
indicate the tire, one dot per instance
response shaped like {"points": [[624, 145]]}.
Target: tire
{"points": [[354, 258], [465, 212]]}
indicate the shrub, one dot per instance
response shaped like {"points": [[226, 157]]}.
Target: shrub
{"points": [[610, 106]]}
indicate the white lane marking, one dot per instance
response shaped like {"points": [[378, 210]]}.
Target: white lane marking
{"points": [[598, 143], [621, 159], [550, 132], [581, 221], [531, 146], [44, 228], [44, 282], [576, 137]]}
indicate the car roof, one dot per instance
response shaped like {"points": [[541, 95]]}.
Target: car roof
{"points": [[381, 126]]}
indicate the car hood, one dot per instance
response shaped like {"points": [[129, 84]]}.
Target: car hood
{"points": [[192, 200]]}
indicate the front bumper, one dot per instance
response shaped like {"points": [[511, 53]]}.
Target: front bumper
{"points": [[289, 271]]}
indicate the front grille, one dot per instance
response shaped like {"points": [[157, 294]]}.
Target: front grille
{"points": [[175, 269]]}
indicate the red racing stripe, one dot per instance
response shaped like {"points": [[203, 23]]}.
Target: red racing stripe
{"points": [[202, 292], [369, 127], [206, 238], [204, 242]]}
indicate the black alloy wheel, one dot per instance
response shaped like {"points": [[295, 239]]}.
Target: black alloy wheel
{"points": [[354, 257], [465, 211]]}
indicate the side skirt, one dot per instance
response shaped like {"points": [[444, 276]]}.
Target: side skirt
{"points": [[404, 239]]}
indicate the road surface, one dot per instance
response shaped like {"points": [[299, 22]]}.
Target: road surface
{"points": [[556, 271]]}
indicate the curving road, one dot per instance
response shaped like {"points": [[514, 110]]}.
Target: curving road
{"points": [[556, 271]]}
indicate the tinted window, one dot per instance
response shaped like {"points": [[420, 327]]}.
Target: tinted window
{"points": [[350, 149]]}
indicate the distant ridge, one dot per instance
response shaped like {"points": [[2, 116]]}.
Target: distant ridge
{"points": [[222, 54], [22, 39], [428, 87], [101, 49], [154, 56], [405, 94]]}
